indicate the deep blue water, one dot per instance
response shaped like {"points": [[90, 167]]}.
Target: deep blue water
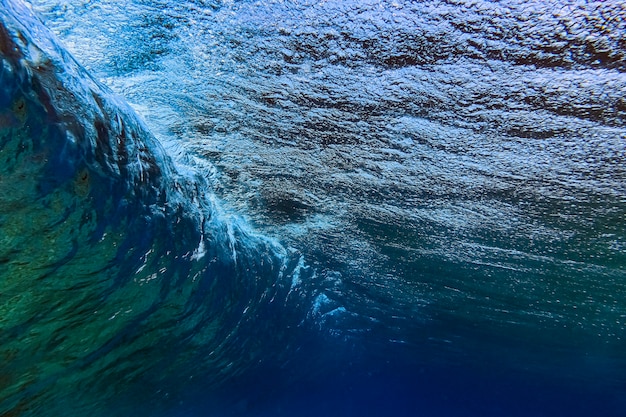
{"points": [[333, 208]]}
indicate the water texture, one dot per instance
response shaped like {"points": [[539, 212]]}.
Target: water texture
{"points": [[452, 173], [119, 274]]}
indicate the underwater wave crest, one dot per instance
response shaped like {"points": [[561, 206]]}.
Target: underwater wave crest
{"points": [[120, 275], [452, 172]]}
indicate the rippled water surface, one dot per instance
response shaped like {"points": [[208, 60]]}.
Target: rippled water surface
{"points": [[453, 173]]}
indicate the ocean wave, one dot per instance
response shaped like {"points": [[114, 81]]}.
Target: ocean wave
{"points": [[119, 272], [452, 172]]}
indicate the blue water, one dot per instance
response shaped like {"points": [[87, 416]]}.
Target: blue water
{"points": [[312, 208]]}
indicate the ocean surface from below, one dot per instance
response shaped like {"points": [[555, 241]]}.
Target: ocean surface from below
{"points": [[416, 208]]}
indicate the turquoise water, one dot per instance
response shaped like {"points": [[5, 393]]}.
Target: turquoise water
{"points": [[337, 208]]}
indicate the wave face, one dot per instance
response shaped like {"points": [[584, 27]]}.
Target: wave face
{"points": [[119, 277], [452, 172]]}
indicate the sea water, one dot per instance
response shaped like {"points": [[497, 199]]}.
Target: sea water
{"points": [[417, 208]]}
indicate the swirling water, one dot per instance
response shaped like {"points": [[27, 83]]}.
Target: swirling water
{"points": [[452, 172]]}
